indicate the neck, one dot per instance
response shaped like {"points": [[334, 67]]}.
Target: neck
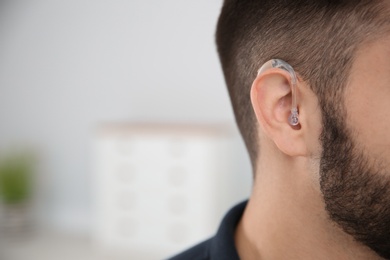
{"points": [[286, 219]]}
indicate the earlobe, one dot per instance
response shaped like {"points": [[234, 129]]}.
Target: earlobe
{"points": [[272, 99]]}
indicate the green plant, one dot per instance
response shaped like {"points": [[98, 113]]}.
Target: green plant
{"points": [[15, 179]]}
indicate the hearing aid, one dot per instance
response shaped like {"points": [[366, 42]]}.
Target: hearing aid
{"points": [[293, 118]]}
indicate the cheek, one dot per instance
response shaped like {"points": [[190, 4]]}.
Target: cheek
{"points": [[367, 100], [368, 116]]}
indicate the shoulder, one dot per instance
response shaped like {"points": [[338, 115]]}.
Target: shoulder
{"points": [[199, 252]]}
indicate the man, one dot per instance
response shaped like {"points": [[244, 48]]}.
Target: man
{"points": [[321, 188]]}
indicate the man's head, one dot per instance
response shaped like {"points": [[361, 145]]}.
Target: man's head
{"points": [[318, 38], [340, 50]]}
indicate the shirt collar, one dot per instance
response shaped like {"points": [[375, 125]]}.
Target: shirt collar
{"points": [[223, 245]]}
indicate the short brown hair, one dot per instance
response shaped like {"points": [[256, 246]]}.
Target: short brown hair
{"points": [[318, 38]]}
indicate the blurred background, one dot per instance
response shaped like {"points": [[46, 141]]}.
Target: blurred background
{"points": [[117, 138]]}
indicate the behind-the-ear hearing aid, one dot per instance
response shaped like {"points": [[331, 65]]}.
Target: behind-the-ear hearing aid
{"points": [[277, 63]]}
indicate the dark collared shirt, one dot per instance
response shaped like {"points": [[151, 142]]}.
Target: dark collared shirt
{"points": [[222, 245]]}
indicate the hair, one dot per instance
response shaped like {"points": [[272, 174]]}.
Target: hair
{"points": [[317, 38]]}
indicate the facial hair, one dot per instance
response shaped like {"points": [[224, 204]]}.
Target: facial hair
{"points": [[355, 187]]}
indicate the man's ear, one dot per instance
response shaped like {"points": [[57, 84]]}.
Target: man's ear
{"points": [[271, 97]]}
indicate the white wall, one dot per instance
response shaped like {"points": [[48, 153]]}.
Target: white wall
{"points": [[66, 66]]}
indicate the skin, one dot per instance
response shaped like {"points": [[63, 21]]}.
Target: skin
{"points": [[286, 217], [369, 99]]}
